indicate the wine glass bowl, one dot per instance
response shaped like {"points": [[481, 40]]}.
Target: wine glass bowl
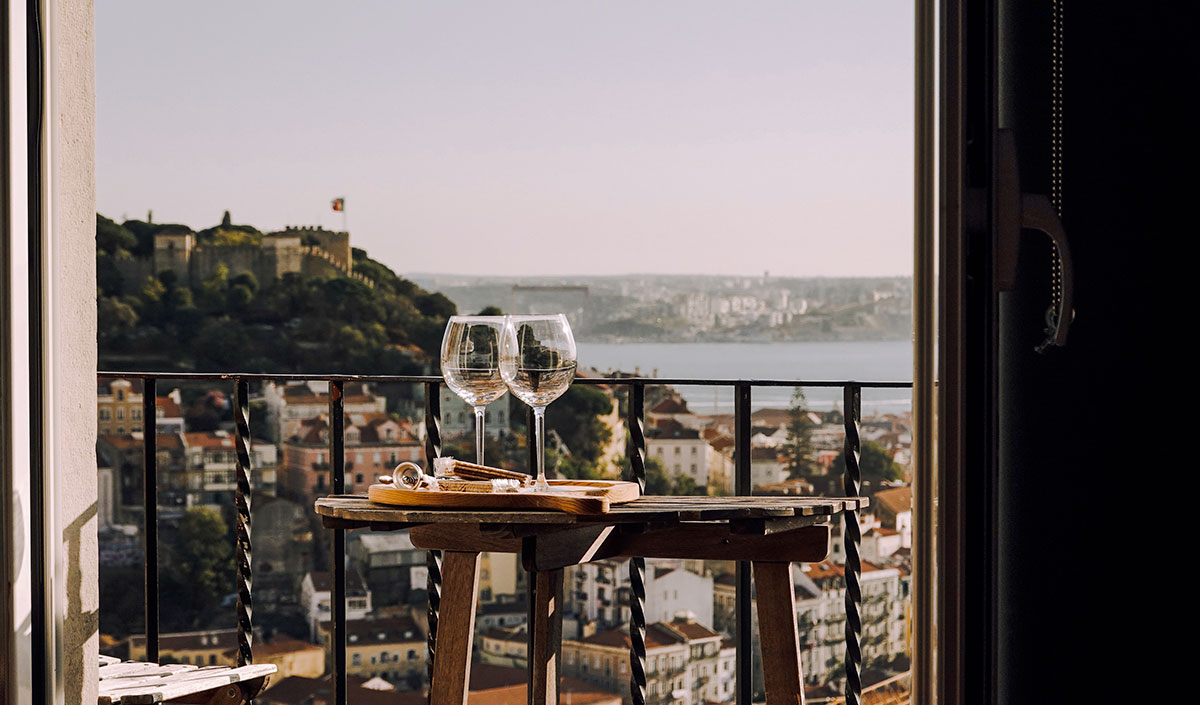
{"points": [[537, 362], [471, 365]]}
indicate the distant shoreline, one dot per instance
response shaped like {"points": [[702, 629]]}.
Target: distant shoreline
{"points": [[847, 336]]}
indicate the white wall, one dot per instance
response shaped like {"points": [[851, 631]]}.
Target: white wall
{"points": [[71, 276]]}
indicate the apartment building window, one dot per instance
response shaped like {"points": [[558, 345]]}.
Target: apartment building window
{"points": [[135, 414], [356, 660], [120, 414], [104, 415]]}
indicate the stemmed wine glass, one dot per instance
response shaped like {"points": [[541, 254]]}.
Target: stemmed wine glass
{"points": [[537, 361], [471, 365]]}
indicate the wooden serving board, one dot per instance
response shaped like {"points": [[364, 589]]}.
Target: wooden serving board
{"points": [[572, 496]]}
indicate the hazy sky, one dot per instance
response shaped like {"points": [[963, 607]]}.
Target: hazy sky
{"points": [[523, 137]]}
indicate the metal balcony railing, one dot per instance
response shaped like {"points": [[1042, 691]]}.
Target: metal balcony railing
{"points": [[636, 448]]}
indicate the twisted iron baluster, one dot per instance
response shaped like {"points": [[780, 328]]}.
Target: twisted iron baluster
{"points": [[337, 547], [433, 559], [851, 537], [637, 564], [150, 505], [241, 440]]}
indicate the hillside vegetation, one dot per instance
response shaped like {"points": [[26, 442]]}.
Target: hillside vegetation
{"points": [[233, 323]]}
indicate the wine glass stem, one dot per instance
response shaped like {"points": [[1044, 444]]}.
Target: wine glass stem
{"points": [[479, 437], [539, 424]]}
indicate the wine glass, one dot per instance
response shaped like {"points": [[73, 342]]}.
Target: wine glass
{"points": [[471, 365], [537, 361]]}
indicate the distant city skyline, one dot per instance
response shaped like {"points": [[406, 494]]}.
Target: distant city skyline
{"points": [[523, 138]]}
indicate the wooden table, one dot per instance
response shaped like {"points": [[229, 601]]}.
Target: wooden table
{"points": [[770, 532]]}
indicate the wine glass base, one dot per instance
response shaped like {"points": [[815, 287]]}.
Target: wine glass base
{"points": [[540, 486]]}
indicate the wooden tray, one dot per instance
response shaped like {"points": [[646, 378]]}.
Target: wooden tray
{"points": [[571, 496]]}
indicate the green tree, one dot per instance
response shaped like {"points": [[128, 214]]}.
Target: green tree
{"points": [[576, 418], [202, 566], [112, 238], [114, 318], [685, 485], [657, 482], [798, 449], [490, 311], [874, 464]]}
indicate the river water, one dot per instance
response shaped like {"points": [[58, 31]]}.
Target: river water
{"points": [[889, 361]]}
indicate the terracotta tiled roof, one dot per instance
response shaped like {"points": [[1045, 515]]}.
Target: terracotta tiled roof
{"points": [[387, 630], [673, 431], [192, 641], [895, 499], [282, 646], [692, 630], [720, 443], [670, 406], [169, 408], [771, 417], [165, 441], [209, 439], [760, 453], [657, 634]]}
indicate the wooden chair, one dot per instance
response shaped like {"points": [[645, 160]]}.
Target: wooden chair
{"points": [[138, 683]]}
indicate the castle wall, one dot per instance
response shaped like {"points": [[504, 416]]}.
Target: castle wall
{"points": [[337, 244]]}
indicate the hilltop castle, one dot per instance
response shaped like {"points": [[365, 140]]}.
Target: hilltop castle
{"points": [[307, 250]]}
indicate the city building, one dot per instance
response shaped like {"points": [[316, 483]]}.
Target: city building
{"points": [[212, 647], [681, 451], [282, 554], [459, 419], [315, 596], [374, 444], [503, 646], [119, 408], [767, 467], [596, 595], [291, 656], [391, 648], [893, 506], [212, 467], [290, 404], [686, 663], [389, 563], [124, 455], [512, 613]]}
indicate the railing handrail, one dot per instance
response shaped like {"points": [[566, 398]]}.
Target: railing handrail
{"points": [[426, 379]]}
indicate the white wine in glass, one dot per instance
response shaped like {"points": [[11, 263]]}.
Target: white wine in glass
{"points": [[471, 365], [537, 362]]}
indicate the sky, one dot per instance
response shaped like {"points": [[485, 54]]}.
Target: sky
{"points": [[523, 138]]}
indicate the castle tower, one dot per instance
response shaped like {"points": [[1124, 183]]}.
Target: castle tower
{"points": [[173, 251]]}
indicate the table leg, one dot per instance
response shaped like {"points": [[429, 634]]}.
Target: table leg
{"points": [[547, 636], [456, 628], [779, 640]]}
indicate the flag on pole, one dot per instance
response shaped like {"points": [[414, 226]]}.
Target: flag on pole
{"points": [[339, 205]]}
